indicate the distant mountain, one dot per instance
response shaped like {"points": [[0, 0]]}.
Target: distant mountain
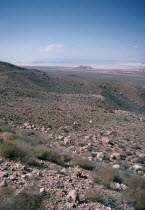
{"points": [[84, 68]]}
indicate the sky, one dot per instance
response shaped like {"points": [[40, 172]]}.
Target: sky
{"points": [[59, 32]]}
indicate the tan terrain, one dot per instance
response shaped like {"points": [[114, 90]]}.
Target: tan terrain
{"points": [[71, 141]]}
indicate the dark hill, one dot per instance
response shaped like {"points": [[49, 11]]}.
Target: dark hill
{"points": [[84, 68]]}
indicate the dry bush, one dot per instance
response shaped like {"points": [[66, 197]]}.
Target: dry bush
{"points": [[17, 151], [67, 156], [6, 137], [5, 194], [25, 200], [136, 191], [135, 181], [95, 195], [49, 154], [106, 175], [83, 162]]}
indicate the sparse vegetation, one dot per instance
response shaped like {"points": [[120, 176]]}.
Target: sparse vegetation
{"points": [[25, 200], [106, 175], [59, 120], [95, 195], [15, 150], [136, 191], [83, 162], [49, 154]]}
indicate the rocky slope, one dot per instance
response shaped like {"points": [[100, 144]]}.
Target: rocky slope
{"points": [[95, 126]]}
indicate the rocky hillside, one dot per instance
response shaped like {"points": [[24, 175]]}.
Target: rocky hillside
{"points": [[28, 95], [70, 142]]}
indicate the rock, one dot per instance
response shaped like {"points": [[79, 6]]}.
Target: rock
{"points": [[100, 154], [125, 166], [60, 138], [70, 205], [28, 127], [66, 140], [117, 186], [136, 167], [85, 148], [115, 156], [140, 170], [73, 195], [42, 190], [105, 140], [43, 128], [123, 186], [110, 132], [117, 166], [26, 124]]}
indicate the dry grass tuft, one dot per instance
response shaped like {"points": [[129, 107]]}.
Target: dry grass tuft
{"points": [[106, 175], [49, 154], [16, 150], [136, 191], [83, 162], [25, 200]]}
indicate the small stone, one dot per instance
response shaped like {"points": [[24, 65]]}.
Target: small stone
{"points": [[60, 138], [73, 195], [66, 140], [69, 205], [137, 167], [26, 124], [105, 140], [115, 156], [116, 166], [42, 190], [100, 154], [123, 186]]}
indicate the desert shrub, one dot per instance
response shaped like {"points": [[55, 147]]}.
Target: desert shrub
{"points": [[67, 156], [136, 191], [7, 128], [7, 137], [95, 195], [49, 154], [38, 140], [106, 175], [84, 163], [17, 151], [24, 201], [30, 137]]}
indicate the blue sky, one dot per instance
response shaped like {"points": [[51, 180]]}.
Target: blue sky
{"points": [[72, 31]]}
